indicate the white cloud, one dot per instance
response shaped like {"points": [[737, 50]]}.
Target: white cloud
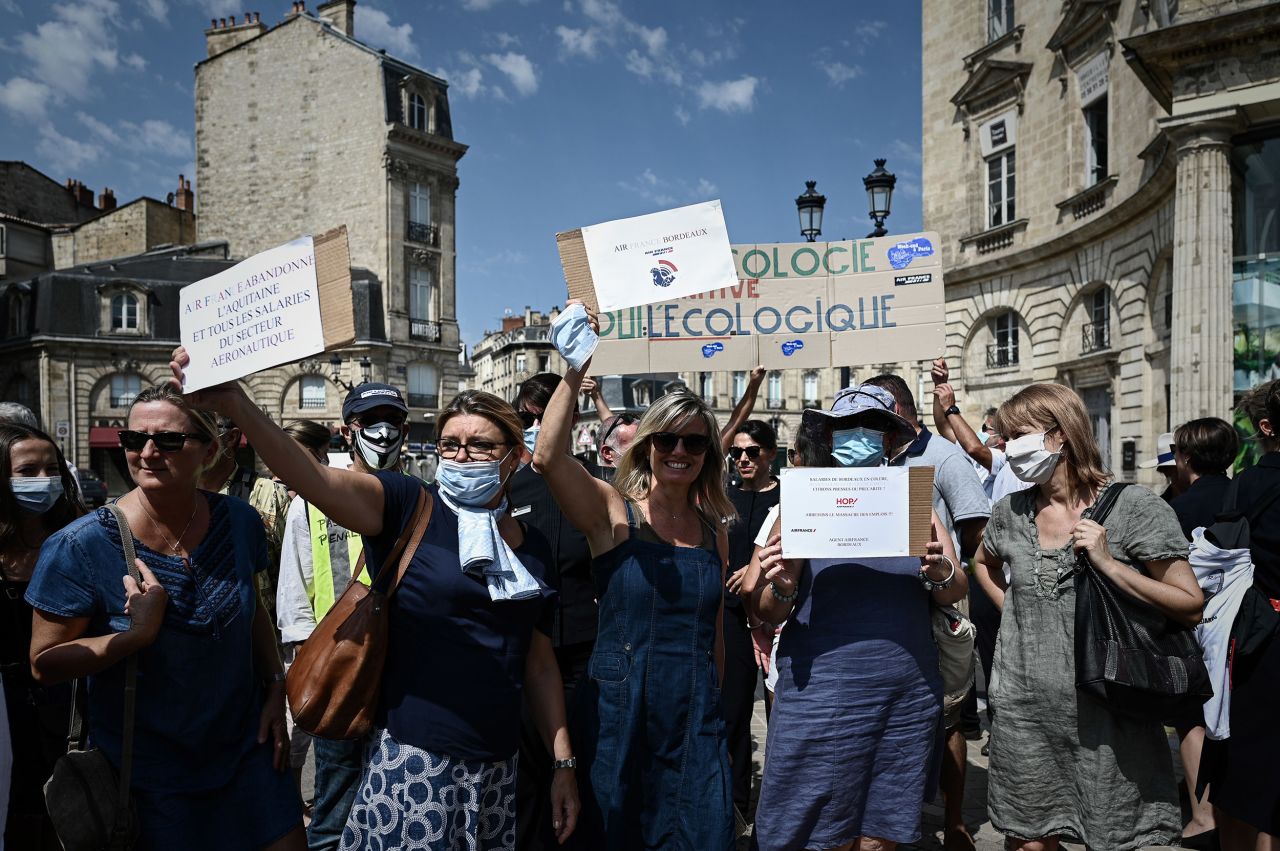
{"points": [[135, 62], [67, 51], [158, 9], [871, 30], [99, 128], [518, 69], [25, 98], [729, 95], [160, 137], [467, 84], [664, 192], [901, 150], [840, 73], [705, 188], [682, 115], [479, 5], [373, 26], [506, 40], [11, 6], [578, 42], [64, 153]]}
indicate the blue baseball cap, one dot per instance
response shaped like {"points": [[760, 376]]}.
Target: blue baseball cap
{"points": [[366, 397]]}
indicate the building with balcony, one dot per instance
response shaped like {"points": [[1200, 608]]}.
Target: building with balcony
{"points": [[520, 349], [1105, 176], [301, 127]]}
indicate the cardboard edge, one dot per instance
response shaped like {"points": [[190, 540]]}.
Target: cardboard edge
{"points": [[577, 271], [333, 282], [920, 508]]}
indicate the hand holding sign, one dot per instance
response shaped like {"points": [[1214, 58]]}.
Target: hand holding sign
{"points": [[222, 398]]}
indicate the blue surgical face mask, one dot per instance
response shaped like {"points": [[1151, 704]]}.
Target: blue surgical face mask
{"points": [[472, 483], [531, 437], [572, 336], [858, 447], [36, 494], [983, 437]]}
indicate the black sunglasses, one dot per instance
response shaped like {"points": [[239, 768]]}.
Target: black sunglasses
{"points": [[694, 444], [166, 441], [528, 418], [752, 452], [619, 420]]}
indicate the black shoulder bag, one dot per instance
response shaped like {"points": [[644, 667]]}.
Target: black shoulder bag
{"points": [[1129, 655], [88, 802]]}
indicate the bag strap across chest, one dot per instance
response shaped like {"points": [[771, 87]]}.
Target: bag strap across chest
{"points": [[130, 671]]}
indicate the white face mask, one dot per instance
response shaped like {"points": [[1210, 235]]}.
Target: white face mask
{"points": [[1029, 460]]}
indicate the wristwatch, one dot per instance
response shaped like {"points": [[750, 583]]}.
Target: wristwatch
{"points": [[952, 411], [571, 762]]}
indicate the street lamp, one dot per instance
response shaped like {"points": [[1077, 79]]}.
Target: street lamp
{"points": [[810, 205], [879, 185], [335, 371]]}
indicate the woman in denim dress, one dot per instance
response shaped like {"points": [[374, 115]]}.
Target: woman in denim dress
{"points": [[655, 759]]}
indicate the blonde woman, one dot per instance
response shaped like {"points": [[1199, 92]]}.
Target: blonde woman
{"points": [[1063, 765], [655, 760]]}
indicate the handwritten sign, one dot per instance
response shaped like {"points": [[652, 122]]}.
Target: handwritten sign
{"points": [[856, 512], [657, 257], [803, 305], [260, 313]]}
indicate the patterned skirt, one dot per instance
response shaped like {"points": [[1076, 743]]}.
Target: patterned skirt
{"points": [[414, 799]]}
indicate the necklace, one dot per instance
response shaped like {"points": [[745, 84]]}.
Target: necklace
{"points": [[176, 547], [674, 516]]}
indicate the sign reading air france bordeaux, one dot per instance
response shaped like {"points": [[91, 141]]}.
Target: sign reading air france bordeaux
{"points": [[802, 305], [660, 256], [856, 512], [260, 313]]}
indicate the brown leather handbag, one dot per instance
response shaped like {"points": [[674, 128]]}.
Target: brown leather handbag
{"points": [[336, 676]]}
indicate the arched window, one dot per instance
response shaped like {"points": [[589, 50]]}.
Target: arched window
{"points": [[417, 112], [1003, 350], [773, 398], [311, 392], [1096, 333], [124, 389], [424, 386], [124, 312], [708, 387], [17, 314], [811, 397]]}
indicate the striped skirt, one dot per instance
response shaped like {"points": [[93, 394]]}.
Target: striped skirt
{"points": [[410, 798]]}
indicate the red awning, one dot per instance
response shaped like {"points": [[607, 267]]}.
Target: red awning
{"points": [[104, 437]]}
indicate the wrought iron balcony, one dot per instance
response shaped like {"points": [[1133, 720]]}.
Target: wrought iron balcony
{"points": [[311, 404], [424, 233], [776, 404], [1002, 355], [1095, 336], [812, 403], [122, 401], [424, 329], [424, 400]]}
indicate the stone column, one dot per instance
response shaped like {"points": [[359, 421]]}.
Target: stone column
{"points": [[1202, 338]]}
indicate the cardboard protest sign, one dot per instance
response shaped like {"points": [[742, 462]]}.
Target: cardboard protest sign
{"points": [[660, 256], [856, 512], [267, 310], [801, 305]]}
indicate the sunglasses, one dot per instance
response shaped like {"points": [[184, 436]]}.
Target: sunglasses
{"points": [[694, 444], [619, 420], [752, 452], [166, 441], [528, 418]]}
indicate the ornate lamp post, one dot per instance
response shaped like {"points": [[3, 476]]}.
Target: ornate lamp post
{"points": [[810, 205], [335, 371], [879, 184]]}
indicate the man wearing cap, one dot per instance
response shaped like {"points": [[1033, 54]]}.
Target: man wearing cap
{"points": [[318, 562], [1166, 465]]}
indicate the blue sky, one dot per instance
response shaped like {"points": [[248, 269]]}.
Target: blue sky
{"points": [[576, 111]]}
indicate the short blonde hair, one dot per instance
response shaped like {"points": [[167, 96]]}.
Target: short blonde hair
{"points": [[1050, 406], [672, 412], [202, 422]]}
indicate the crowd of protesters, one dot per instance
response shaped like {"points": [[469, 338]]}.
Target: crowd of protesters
{"points": [[575, 647]]}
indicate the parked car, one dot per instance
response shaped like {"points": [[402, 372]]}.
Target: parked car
{"points": [[93, 489]]}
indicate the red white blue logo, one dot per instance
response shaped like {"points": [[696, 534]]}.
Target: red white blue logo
{"points": [[664, 274]]}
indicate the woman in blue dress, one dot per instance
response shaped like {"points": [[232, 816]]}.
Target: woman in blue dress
{"points": [[855, 737], [655, 758]]}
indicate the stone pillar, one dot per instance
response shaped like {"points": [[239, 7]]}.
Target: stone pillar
{"points": [[1202, 338]]}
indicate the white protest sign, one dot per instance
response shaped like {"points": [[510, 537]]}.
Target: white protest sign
{"points": [[660, 256], [260, 313], [855, 512]]}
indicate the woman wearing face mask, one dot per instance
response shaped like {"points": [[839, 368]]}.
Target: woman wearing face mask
{"points": [[37, 498], [468, 634], [855, 741], [209, 757], [1063, 766], [653, 743]]}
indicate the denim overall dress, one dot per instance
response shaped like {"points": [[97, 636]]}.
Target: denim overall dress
{"points": [[651, 734]]}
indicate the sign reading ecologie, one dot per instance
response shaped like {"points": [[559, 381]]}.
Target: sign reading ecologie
{"points": [[801, 305]]}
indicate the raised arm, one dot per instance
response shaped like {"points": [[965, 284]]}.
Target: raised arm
{"points": [[940, 424], [353, 500], [944, 397], [592, 388], [742, 410]]}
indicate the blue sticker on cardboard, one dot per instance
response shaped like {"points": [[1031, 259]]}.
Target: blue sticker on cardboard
{"points": [[790, 347], [901, 255], [711, 348]]}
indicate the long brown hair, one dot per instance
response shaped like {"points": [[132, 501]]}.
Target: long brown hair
{"points": [[1049, 406], [671, 413], [68, 507]]}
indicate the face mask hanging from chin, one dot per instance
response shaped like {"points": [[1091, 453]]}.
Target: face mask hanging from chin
{"points": [[1029, 460], [858, 447], [379, 445]]}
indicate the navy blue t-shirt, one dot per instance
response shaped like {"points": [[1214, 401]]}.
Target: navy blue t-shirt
{"points": [[455, 664]]}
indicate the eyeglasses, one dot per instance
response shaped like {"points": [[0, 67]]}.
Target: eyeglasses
{"points": [[478, 450], [752, 452], [694, 444], [619, 420], [528, 418], [166, 441]]}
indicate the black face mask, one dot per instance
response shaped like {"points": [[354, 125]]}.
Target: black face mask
{"points": [[379, 445]]}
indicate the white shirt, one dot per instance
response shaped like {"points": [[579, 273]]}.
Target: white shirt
{"points": [[988, 477], [1224, 576]]}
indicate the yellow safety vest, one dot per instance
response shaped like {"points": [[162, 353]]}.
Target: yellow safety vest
{"points": [[321, 590]]}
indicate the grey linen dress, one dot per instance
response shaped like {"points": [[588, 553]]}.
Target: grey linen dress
{"points": [[1061, 763]]}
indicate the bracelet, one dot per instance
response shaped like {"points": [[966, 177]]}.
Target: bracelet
{"points": [[761, 625], [930, 585], [784, 598], [571, 762]]}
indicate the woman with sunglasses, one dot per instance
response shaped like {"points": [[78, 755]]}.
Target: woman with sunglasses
{"points": [[469, 629], [652, 740], [209, 748], [38, 497]]}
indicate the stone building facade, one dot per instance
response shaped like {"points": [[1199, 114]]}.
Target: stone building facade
{"points": [[300, 128], [1086, 218]]}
